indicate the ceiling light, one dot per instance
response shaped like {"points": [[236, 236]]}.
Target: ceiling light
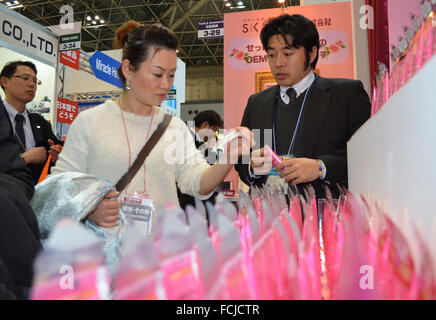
{"points": [[240, 3], [228, 4], [88, 18], [8, 3], [101, 21], [16, 2], [94, 22], [97, 17], [281, 1]]}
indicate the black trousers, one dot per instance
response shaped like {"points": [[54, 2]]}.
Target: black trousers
{"points": [[19, 241]]}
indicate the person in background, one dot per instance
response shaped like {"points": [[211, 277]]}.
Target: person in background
{"points": [[104, 141], [19, 233], [33, 133], [206, 124], [311, 117]]}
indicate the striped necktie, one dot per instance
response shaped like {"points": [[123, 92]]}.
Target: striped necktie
{"points": [[19, 130]]}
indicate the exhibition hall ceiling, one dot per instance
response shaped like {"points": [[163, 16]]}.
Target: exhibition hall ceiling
{"points": [[101, 18]]}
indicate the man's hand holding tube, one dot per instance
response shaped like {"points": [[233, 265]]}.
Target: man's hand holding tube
{"points": [[299, 170]]}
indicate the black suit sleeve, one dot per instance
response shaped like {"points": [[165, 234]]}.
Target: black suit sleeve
{"points": [[44, 133], [11, 163], [358, 112]]}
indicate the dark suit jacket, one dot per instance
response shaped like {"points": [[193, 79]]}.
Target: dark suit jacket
{"points": [[42, 131], [334, 110], [19, 233]]}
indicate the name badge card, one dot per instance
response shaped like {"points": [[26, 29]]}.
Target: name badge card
{"points": [[139, 209]]}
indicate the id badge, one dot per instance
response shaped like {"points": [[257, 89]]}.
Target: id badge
{"points": [[139, 209]]}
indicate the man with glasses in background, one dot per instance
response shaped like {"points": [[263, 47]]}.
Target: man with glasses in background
{"points": [[33, 133]]}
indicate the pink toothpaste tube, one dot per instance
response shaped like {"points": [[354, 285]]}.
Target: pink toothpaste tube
{"points": [[276, 160]]}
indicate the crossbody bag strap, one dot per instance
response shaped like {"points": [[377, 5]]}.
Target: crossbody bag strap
{"points": [[125, 179]]}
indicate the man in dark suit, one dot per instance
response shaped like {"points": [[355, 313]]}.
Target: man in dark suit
{"points": [[34, 134], [305, 117], [206, 123], [19, 233]]}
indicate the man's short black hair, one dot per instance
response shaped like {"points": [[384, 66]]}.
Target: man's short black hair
{"points": [[302, 32], [11, 67], [212, 117]]}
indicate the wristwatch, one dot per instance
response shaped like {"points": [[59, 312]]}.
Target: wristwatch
{"points": [[322, 169]]}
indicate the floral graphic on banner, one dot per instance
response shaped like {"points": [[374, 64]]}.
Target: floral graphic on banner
{"points": [[248, 54], [334, 47]]}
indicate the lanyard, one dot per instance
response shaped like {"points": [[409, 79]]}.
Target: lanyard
{"points": [[276, 102], [128, 142]]}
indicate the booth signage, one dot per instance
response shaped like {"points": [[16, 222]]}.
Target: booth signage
{"points": [[70, 58], [66, 110], [211, 29], [105, 68], [25, 36], [69, 42]]}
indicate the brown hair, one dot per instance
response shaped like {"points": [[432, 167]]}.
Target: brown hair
{"points": [[136, 41], [123, 32]]}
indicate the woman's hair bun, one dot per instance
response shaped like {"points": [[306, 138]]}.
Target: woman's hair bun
{"points": [[123, 32]]}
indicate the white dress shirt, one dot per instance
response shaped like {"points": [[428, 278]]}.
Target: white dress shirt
{"points": [[300, 87]]}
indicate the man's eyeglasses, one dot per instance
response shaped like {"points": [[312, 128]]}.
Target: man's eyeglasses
{"points": [[28, 79]]}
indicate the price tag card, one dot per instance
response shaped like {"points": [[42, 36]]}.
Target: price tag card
{"points": [[139, 209]]}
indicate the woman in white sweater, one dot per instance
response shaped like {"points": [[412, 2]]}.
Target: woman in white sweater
{"points": [[105, 140]]}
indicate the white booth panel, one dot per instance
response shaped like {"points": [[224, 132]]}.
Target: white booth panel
{"points": [[392, 158]]}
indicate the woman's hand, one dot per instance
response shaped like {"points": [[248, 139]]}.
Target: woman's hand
{"points": [[239, 146], [107, 212]]}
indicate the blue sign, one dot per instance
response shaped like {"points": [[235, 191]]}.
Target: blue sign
{"points": [[106, 68]]}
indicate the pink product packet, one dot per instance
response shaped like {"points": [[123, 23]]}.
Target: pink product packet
{"points": [[426, 277], [261, 268], [309, 272], [285, 264], [402, 265], [430, 38], [290, 235], [257, 204], [181, 277], [296, 213], [85, 285], [142, 287], [275, 276], [418, 52], [235, 274]]}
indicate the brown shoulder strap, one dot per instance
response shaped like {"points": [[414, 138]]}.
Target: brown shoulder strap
{"points": [[124, 181]]}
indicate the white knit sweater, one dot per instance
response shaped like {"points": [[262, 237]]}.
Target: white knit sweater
{"points": [[97, 145]]}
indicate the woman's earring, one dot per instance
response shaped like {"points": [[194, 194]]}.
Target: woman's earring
{"points": [[128, 85]]}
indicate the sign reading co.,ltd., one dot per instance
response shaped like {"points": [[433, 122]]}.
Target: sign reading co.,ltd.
{"points": [[25, 36]]}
